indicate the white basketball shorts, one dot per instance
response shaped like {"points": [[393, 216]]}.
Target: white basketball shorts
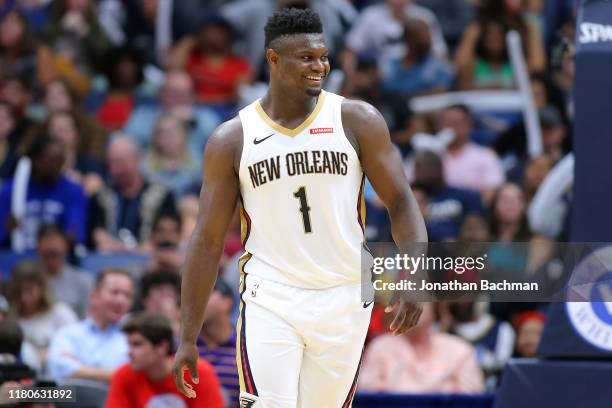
{"points": [[299, 348]]}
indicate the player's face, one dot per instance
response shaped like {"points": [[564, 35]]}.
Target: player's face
{"points": [[302, 62]]}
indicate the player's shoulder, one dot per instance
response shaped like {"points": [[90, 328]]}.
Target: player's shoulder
{"points": [[361, 119], [229, 131], [226, 139], [358, 111]]}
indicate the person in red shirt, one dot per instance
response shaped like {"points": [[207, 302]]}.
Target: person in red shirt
{"points": [[208, 58], [147, 380]]}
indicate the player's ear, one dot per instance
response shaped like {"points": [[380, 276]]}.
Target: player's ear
{"points": [[272, 56]]}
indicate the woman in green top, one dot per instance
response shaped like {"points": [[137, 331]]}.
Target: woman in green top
{"points": [[490, 69]]}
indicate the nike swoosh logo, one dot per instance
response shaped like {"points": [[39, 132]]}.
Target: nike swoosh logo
{"points": [[255, 141], [366, 304]]}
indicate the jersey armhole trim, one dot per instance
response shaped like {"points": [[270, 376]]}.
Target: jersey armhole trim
{"points": [[246, 144], [344, 137]]}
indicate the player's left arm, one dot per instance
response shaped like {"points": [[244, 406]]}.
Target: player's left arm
{"points": [[367, 131]]}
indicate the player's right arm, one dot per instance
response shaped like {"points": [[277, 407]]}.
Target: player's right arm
{"points": [[218, 199]]}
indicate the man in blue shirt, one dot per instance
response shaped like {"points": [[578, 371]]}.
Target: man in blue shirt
{"points": [[93, 348], [446, 206], [419, 71], [51, 198]]}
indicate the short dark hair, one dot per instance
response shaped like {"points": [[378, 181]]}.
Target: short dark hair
{"points": [[118, 55], [154, 327], [157, 278], [50, 230], [170, 215], [292, 21], [40, 145], [111, 271]]}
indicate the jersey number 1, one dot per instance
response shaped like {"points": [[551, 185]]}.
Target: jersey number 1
{"points": [[304, 208]]}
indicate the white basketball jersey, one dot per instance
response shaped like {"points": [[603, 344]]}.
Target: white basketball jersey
{"points": [[303, 211]]}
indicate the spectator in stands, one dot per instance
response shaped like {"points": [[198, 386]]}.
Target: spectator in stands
{"points": [[447, 206], [379, 30], [32, 305], [177, 97], [124, 72], [165, 244], [68, 283], [419, 71], [466, 164], [169, 160], [553, 133], [72, 129], [529, 326], [475, 229], [365, 84], [50, 197], [490, 68], [207, 56], [93, 348], [16, 90], [15, 356], [508, 13], [60, 96], [76, 44], [147, 380], [161, 293], [79, 167], [421, 360], [513, 144], [217, 341], [153, 25], [508, 220], [492, 338], [17, 46], [122, 213], [8, 151]]}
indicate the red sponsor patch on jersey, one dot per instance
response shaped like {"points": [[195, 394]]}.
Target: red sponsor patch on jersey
{"points": [[318, 131]]}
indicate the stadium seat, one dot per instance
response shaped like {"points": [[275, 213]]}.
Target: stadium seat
{"points": [[89, 394]]}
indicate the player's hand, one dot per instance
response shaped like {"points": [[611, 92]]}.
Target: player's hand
{"points": [[186, 358], [407, 315]]}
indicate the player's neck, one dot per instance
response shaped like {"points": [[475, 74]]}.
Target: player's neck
{"points": [[287, 108]]}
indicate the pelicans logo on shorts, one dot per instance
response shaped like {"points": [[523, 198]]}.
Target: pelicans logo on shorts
{"points": [[254, 290], [247, 400], [591, 283]]}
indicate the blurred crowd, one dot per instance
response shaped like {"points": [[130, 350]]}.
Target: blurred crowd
{"points": [[106, 107]]}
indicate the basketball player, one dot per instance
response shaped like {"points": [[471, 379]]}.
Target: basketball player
{"points": [[296, 160]]}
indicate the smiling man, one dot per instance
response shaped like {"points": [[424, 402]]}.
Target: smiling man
{"points": [[296, 160]]}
